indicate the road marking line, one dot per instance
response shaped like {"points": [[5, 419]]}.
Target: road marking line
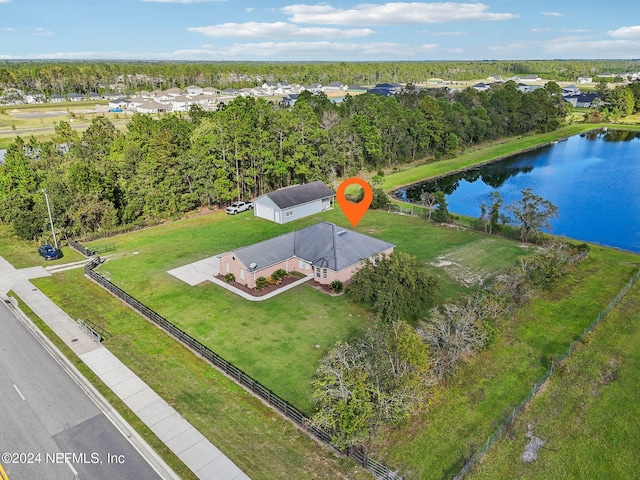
{"points": [[19, 392], [73, 470], [3, 474]]}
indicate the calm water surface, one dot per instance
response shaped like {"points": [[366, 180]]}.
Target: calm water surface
{"points": [[593, 179]]}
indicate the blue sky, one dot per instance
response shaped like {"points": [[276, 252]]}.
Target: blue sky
{"points": [[274, 30]]}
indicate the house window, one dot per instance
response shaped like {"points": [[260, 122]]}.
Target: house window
{"points": [[228, 267], [241, 274], [300, 264], [324, 273], [288, 213], [317, 272]]}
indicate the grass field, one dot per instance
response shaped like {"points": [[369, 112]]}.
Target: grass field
{"points": [[22, 253], [251, 434], [587, 413], [485, 390], [263, 338]]}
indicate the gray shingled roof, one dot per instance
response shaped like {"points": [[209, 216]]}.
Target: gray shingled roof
{"points": [[299, 194], [324, 245]]}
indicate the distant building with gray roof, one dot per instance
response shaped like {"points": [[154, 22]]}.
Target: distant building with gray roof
{"points": [[290, 203]]}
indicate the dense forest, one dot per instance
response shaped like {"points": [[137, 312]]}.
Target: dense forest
{"points": [[83, 77], [104, 179]]}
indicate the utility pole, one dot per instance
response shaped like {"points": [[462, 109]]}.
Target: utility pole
{"points": [[46, 197]]}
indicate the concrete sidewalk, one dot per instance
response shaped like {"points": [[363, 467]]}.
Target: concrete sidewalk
{"points": [[202, 457]]}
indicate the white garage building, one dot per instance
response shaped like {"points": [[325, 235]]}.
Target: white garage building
{"points": [[291, 203]]}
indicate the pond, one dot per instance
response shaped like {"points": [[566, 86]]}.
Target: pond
{"points": [[592, 178]]}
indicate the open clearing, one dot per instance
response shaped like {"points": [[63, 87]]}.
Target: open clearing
{"points": [[277, 348]]}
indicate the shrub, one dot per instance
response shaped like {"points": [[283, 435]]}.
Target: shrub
{"points": [[336, 286], [229, 278], [273, 280], [279, 274], [261, 283]]}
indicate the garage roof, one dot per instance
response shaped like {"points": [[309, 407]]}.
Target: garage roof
{"points": [[299, 194]]}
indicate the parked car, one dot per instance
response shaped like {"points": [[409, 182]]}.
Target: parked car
{"points": [[238, 207], [49, 253]]}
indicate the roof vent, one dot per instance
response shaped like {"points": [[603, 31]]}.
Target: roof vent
{"points": [[341, 232], [253, 266]]}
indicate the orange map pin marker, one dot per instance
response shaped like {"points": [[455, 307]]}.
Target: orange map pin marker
{"points": [[354, 211]]}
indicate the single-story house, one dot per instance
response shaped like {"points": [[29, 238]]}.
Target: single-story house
{"points": [[75, 97], [290, 203], [324, 250], [583, 80], [585, 100], [119, 103], [153, 107], [194, 90], [56, 98], [570, 90], [481, 87]]}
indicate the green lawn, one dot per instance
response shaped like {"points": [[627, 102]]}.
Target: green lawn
{"points": [[251, 434], [281, 340], [483, 392], [587, 413]]}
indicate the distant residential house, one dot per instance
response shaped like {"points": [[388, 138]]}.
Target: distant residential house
{"points": [[570, 90], [153, 107], [585, 100], [75, 97], [55, 98], [313, 88], [194, 90], [181, 103], [110, 96], [583, 80], [290, 203], [119, 103], [481, 87], [524, 88], [290, 100], [93, 96], [234, 92], [324, 250], [174, 92], [35, 97], [210, 91], [386, 89], [335, 87]]}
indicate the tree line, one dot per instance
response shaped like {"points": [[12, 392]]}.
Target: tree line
{"points": [[61, 77], [104, 179]]}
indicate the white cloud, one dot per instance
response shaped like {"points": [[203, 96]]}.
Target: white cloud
{"points": [[575, 30], [9, 29], [249, 9], [581, 47], [275, 30], [444, 34], [292, 51], [5, 1], [320, 50], [42, 32], [626, 32], [540, 30], [181, 1], [553, 14], [395, 13]]}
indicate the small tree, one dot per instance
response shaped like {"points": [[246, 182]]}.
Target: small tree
{"points": [[531, 214], [336, 286], [441, 213], [396, 286], [429, 200]]}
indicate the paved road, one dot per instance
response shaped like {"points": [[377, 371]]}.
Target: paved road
{"points": [[50, 427]]}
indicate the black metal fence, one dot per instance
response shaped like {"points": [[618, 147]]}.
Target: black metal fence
{"points": [[292, 413], [81, 248]]}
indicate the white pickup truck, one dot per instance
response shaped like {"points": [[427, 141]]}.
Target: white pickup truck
{"points": [[238, 207]]}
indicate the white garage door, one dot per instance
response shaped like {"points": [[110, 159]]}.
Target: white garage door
{"points": [[264, 211]]}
